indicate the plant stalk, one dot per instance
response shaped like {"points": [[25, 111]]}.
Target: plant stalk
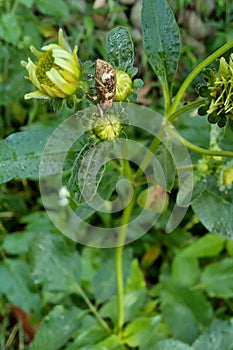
{"points": [[119, 264], [120, 244]]}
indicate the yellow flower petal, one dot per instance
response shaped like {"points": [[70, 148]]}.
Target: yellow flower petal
{"points": [[36, 94], [62, 42], [57, 72], [60, 82], [53, 92]]}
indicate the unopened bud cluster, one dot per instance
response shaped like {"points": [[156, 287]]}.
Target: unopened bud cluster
{"points": [[218, 94]]}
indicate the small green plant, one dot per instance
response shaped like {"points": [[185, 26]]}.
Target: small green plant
{"points": [[109, 173]]}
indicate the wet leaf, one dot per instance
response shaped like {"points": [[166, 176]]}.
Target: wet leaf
{"points": [[56, 328], [120, 49], [20, 154], [214, 209], [218, 337], [161, 39]]}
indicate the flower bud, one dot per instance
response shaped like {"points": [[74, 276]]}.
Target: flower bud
{"points": [[226, 176], [107, 127], [123, 85], [218, 96]]}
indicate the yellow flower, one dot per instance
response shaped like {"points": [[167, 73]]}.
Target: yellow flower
{"points": [[124, 86], [57, 72]]}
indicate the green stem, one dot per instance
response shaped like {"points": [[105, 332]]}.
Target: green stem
{"points": [[92, 308], [119, 265], [167, 97], [195, 72], [184, 109], [201, 150], [120, 244]]}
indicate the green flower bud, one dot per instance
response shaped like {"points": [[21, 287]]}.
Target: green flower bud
{"points": [[202, 110], [124, 86], [213, 118], [218, 96], [203, 90], [226, 177], [107, 127]]}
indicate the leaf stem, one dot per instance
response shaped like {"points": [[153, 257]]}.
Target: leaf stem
{"points": [[213, 153], [184, 109], [195, 72], [92, 308]]}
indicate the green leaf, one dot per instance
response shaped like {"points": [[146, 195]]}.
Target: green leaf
{"points": [[169, 170], [88, 335], [185, 311], [18, 287], [104, 282], [136, 280], [217, 279], [56, 328], [215, 210], [106, 187], [206, 246], [135, 295], [87, 173], [161, 39], [56, 9], [168, 344], [19, 242], [20, 154], [109, 309], [10, 30], [120, 49], [110, 343], [56, 264], [143, 332], [185, 269], [133, 304], [218, 337]]}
